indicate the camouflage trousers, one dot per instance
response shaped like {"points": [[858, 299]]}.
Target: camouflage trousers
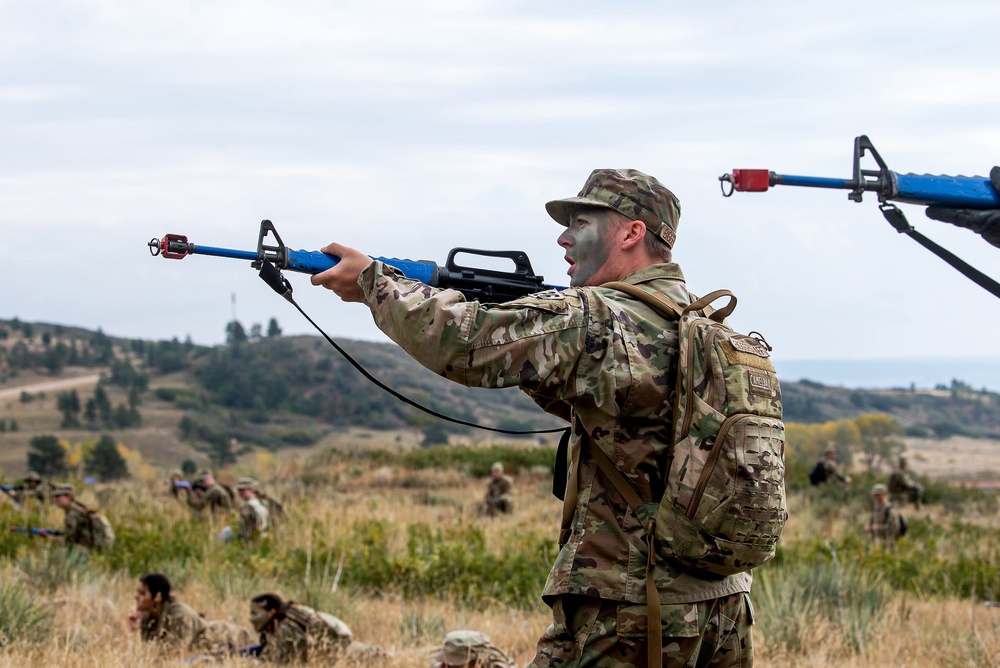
{"points": [[592, 632]]}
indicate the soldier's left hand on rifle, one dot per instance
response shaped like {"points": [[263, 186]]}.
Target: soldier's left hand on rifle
{"points": [[986, 222]]}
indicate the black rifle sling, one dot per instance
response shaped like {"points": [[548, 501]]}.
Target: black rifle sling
{"points": [[896, 218]]}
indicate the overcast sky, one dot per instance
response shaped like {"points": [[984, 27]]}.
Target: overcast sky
{"points": [[407, 128]]}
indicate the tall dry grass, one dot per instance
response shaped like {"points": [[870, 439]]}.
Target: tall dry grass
{"points": [[810, 612]]}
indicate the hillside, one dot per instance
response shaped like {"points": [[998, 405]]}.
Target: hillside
{"points": [[173, 400]]}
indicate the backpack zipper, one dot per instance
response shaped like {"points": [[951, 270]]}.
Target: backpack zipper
{"points": [[710, 463]]}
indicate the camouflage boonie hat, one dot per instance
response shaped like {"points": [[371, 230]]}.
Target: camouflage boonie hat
{"points": [[631, 193], [246, 483], [460, 647], [61, 490], [497, 467], [176, 473], [879, 489], [32, 477]]}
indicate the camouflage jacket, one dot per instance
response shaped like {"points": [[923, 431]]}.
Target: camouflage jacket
{"points": [[78, 528], [901, 481], [592, 356], [216, 498], [834, 472], [178, 627], [303, 633], [38, 495], [253, 520], [499, 488], [884, 525]]}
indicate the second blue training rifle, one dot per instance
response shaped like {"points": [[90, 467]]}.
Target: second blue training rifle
{"points": [[484, 285], [954, 192]]}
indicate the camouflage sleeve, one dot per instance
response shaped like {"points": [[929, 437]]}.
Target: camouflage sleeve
{"points": [[75, 529], [534, 343], [290, 644], [248, 523]]}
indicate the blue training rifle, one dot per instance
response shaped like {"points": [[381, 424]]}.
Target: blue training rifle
{"points": [[485, 285], [958, 192]]}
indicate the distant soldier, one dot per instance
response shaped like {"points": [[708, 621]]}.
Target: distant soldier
{"points": [[30, 490], [827, 469], [206, 493], [276, 514], [294, 633], [84, 527], [903, 486], [469, 649], [499, 492], [885, 526], [180, 489], [253, 515]]}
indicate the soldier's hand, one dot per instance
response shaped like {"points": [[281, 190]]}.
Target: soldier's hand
{"points": [[985, 222], [133, 620], [343, 277]]}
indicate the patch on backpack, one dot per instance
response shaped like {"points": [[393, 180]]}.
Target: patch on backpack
{"points": [[747, 352], [760, 383]]}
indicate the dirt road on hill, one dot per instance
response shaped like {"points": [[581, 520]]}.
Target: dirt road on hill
{"points": [[50, 386]]}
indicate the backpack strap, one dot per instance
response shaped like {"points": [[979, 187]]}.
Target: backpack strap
{"points": [[668, 308], [719, 315], [663, 304], [654, 622]]}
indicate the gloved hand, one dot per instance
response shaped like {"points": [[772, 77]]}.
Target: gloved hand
{"points": [[985, 222]]}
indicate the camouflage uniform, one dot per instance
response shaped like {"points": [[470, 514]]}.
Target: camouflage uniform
{"points": [[499, 495], [216, 499], [605, 362], [835, 472], [79, 529], [276, 514], [301, 633], [253, 515], [178, 627], [33, 489], [884, 525], [903, 486], [462, 647]]}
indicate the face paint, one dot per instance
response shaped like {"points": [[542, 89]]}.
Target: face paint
{"points": [[588, 245]]}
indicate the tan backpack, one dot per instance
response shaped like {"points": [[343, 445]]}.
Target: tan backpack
{"points": [[723, 508]]}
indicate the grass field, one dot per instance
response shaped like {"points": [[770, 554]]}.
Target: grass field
{"points": [[392, 544], [400, 553]]}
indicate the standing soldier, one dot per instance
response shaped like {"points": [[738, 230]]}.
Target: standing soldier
{"points": [[828, 469], [84, 527], [469, 649], [598, 358], [206, 493], [253, 515], [499, 492], [885, 525], [290, 632], [902, 485]]}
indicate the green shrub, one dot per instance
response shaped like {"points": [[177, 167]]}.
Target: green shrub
{"points": [[23, 618]]}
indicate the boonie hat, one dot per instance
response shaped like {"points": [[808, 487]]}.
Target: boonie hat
{"points": [[32, 477], [631, 193], [879, 489], [61, 490]]}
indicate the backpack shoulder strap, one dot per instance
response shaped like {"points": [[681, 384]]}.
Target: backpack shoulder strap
{"points": [[658, 301]]}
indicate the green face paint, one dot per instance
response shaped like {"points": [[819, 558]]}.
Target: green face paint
{"points": [[588, 245]]}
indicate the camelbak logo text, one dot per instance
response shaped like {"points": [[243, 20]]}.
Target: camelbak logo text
{"points": [[759, 384]]}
